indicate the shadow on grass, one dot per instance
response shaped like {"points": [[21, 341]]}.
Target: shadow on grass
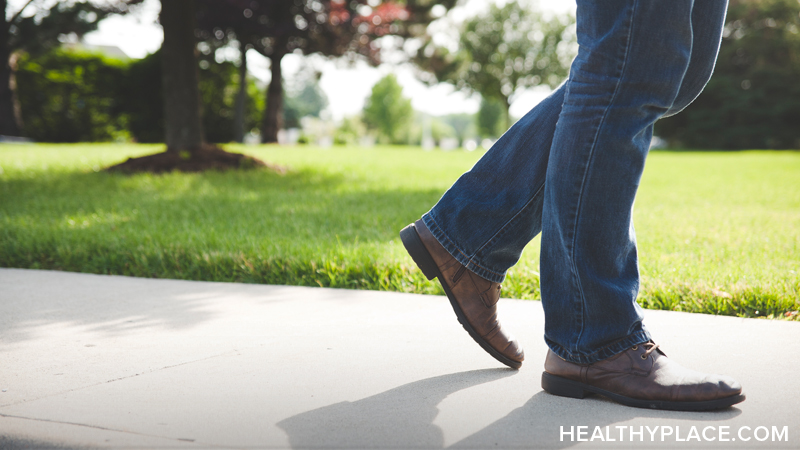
{"points": [[231, 204], [304, 228], [251, 226]]}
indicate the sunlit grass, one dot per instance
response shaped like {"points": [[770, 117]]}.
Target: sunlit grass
{"points": [[718, 232]]}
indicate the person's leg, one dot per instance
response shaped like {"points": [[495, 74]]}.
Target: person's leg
{"points": [[495, 209], [632, 60], [480, 226], [630, 71], [708, 19], [485, 220], [637, 60]]}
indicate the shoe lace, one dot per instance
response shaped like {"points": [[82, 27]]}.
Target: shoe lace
{"points": [[650, 347]]}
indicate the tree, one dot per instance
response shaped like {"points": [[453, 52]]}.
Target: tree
{"points": [[186, 146], [220, 102], [387, 111], [34, 30], [184, 131], [753, 98], [306, 99], [144, 99], [439, 129], [491, 118], [349, 132], [276, 28], [508, 49], [462, 123], [303, 96]]}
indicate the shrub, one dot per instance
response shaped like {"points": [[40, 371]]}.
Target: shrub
{"points": [[71, 96]]}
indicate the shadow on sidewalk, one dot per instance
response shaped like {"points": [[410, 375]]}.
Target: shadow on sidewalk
{"points": [[21, 443], [403, 418], [394, 418], [114, 306]]}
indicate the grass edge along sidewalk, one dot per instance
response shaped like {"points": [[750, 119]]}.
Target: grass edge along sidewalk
{"points": [[718, 232]]}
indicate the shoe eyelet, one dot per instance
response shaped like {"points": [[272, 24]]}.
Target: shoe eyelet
{"points": [[644, 356], [635, 347]]}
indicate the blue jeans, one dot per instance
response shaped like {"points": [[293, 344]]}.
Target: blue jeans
{"points": [[571, 167]]}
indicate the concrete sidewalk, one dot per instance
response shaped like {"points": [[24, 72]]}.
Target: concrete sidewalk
{"points": [[108, 361]]}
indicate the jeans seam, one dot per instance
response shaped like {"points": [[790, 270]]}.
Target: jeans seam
{"points": [[671, 111], [493, 238], [506, 225], [471, 259], [469, 262], [588, 168]]}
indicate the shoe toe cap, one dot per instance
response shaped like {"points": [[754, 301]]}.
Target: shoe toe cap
{"points": [[728, 386], [514, 351], [713, 387]]}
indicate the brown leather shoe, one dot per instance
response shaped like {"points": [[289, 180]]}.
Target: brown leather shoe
{"points": [[644, 377], [473, 298]]}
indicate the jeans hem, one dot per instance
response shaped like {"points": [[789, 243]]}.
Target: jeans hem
{"points": [[602, 353], [457, 254]]}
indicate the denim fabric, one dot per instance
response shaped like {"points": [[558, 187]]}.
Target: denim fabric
{"points": [[571, 167]]}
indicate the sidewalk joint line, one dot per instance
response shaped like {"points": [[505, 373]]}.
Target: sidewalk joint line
{"points": [[232, 352], [98, 427]]}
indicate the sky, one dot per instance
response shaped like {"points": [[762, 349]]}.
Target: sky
{"points": [[346, 87]]}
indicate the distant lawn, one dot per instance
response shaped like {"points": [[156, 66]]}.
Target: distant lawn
{"points": [[718, 232]]}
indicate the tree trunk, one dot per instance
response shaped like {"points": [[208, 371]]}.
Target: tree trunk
{"points": [[241, 99], [186, 147], [507, 119], [9, 114], [273, 116], [184, 130]]}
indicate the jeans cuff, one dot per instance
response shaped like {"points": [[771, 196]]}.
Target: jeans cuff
{"points": [[457, 254], [602, 353]]}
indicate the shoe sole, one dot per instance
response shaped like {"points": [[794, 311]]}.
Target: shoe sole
{"points": [[414, 246], [564, 387]]}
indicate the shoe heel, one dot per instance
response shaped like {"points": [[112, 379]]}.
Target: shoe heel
{"points": [[562, 387], [418, 252]]}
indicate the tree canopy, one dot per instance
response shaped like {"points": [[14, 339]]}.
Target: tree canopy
{"points": [[304, 98], [753, 98], [510, 48], [335, 28], [387, 111], [491, 118]]}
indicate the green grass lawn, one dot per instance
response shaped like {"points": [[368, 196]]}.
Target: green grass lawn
{"points": [[718, 232]]}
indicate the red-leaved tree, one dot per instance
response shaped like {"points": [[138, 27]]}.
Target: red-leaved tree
{"points": [[335, 28]]}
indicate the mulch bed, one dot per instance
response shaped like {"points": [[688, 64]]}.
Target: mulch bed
{"points": [[208, 157]]}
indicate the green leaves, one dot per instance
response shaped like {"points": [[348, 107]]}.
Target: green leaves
{"points": [[387, 111], [39, 32], [74, 96], [508, 49], [753, 99], [71, 97]]}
